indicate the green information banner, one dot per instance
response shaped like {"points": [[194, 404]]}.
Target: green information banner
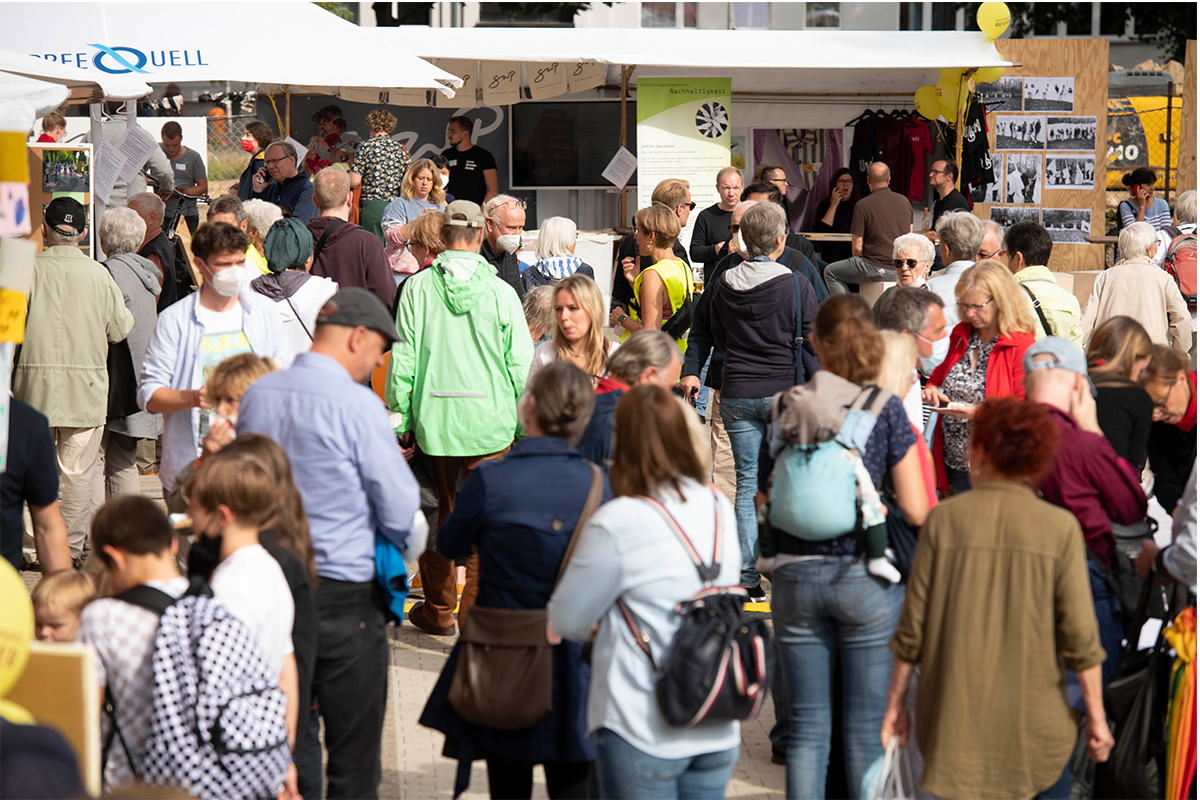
{"points": [[683, 132]]}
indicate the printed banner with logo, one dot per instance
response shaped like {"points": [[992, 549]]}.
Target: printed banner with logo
{"points": [[683, 132]]}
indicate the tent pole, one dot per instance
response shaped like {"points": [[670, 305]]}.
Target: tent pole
{"points": [[287, 111], [626, 72]]}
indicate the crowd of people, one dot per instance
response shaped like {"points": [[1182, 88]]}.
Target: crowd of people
{"points": [[353, 413]]}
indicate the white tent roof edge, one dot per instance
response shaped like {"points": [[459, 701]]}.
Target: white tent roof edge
{"points": [[114, 87]]}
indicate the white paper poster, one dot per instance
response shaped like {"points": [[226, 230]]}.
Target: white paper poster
{"points": [[683, 132], [109, 163], [135, 145], [621, 168], [501, 82]]}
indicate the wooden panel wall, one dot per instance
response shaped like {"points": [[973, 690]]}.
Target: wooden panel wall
{"points": [[1186, 177], [1087, 61]]}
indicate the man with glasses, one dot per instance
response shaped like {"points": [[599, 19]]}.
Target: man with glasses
{"points": [[1055, 309], [993, 243], [919, 313], [472, 169], [505, 220], [281, 183], [767, 192], [942, 177]]}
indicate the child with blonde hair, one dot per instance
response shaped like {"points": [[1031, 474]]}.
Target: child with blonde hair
{"points": [[58, 600]]}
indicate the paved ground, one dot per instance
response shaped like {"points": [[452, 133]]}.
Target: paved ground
{"points": [[414, 767]]}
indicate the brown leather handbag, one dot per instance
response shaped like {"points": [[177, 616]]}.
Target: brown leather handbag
{"points": [[505, 670]]}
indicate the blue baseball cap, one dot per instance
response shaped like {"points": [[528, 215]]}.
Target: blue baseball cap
{"points": [[1063, 353]]}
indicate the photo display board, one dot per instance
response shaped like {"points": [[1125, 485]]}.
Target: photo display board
{"points": [[57, 170], [1042, 120]]}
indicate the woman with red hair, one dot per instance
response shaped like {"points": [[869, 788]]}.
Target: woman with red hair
{"points": [[997, 598]]}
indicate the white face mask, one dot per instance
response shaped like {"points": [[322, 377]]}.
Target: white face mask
{"points": [[940, 349], [443, 180], [509, 242], [214, 417], [737, 243], [229, 281]]}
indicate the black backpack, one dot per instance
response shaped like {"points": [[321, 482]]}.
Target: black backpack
{"points": [[721, 659]]}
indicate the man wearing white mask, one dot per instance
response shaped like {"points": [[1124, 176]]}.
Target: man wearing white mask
{"points": [[223, 318], [919, 313], [505, 219]]}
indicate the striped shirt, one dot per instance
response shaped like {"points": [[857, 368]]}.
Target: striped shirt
{"points": [[1158, 215]]}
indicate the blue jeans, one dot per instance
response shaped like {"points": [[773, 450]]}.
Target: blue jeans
{"points": [[818, 605], [1109, 616], [623, 771], [746, 420], [702, 395]]}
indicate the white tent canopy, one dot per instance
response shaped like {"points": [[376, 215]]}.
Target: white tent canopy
{"points": [[797, 63], [85, 84], [267, 43]]}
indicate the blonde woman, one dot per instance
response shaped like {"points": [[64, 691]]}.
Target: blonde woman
{"points": [[380, 164], [1117, 355], [420, 190], [985, 360], [577, 338], [663, 287]]}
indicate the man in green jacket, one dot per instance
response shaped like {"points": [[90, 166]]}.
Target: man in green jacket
{"points": [[454, 380], [75, 311]]}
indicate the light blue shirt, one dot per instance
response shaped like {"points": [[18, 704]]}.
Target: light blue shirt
{"points": [[173, 361], [351, 475], [627, 551], [402, 211], [942, 284]]}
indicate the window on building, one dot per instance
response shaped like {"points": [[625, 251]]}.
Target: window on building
{"points": [[751, 15], [1079, 19], [944, 17], [912, 16], [823, 15], [497, 14], [668, 15], [1112, 19]]}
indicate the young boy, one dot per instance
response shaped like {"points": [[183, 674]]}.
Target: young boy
{"points": [[137, 544], [58, 600], [230, 497]]}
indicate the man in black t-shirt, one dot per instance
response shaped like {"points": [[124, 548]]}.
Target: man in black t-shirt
{"points": [[472, 169], [31, 476], [942, 177]]}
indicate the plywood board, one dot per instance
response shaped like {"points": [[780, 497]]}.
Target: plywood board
{"points": [[1186, 176], [59, 688], [1085, 60]]}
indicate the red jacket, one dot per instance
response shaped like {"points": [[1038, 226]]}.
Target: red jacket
{"points": [[1005, 378]]}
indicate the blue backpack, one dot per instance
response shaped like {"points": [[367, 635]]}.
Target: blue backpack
{"points": [[818, 434]]}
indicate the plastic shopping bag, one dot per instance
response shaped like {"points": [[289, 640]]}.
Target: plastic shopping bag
{"points": [[890, 777]]}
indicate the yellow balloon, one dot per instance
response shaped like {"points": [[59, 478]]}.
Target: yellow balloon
{"points": [[951, 73], [947, 91], [993, 19], [989, 74], [927, 103], [16, 626]]}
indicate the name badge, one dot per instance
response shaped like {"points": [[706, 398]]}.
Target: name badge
{"points": [[453, 162], [179, 165]]}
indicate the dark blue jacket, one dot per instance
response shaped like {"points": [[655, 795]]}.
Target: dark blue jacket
{"points": [[246, 181], [597, 440], [294, 195], [520, 512], [700, 338]]}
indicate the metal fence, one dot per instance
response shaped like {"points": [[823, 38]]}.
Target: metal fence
{"points": [[1144, 132], [226, 158]]}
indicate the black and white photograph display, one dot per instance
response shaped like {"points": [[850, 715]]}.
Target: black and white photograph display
{"points": [[1023, 178], [1020, 133], [1071, 133], [1049, 94], [1067, 225], [1007, 217], [1000, 95], [1070, 172], [995, 190]]}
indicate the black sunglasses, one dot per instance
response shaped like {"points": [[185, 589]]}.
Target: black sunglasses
{"points": [[907, 262]]}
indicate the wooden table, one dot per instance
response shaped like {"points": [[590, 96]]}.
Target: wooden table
{"points": [[1106, 241], [826, 237]]}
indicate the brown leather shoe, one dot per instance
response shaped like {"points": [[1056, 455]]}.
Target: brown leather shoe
{"points": [[416, 615]]}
